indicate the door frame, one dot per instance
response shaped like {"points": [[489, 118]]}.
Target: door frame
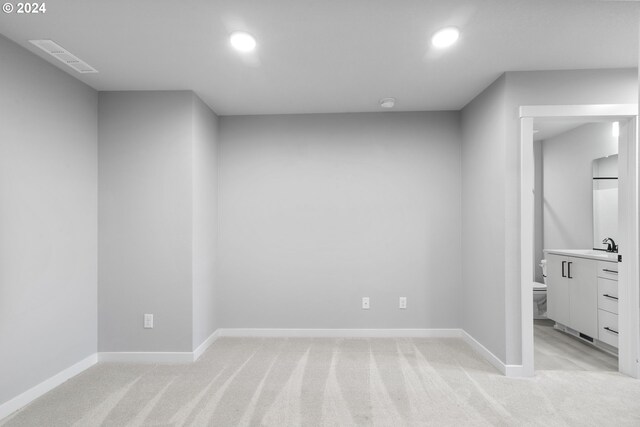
{"points": [[629, 277]]}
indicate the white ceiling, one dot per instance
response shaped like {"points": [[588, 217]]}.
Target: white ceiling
{"points": [[547, 128], [550, 129], [328, 55]]}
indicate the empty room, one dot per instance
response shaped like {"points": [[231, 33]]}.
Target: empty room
{"points": [[319, 213]]}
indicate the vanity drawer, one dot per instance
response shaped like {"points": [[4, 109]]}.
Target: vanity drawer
{"points": [[608, 327], [608, 270], [608, 295]]}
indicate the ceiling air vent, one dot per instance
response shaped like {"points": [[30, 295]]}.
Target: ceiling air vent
{"points": [[62, 55]]}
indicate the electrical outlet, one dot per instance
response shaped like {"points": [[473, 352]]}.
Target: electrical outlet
{"points": [[402, 302], [365, 303], [148, 321]]}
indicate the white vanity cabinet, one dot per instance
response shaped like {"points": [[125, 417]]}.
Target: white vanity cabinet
{"points": [[572, 293], [582, 293], [557, 289], [608, 302]]}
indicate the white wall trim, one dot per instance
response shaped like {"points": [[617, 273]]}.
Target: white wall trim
{"points": [[589, 110], [527, 253], [629, 347], [159, 356], [629, 277], [205, 345], [146, 356], [507, 370], [38, 390], [339, 333], [514, 371]]}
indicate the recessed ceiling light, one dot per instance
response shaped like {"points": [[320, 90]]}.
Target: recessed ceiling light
{"points": [[445, 37], [387, 102], [243, 42]]}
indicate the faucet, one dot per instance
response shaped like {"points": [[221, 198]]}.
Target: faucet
{"points": [[611, 245]]}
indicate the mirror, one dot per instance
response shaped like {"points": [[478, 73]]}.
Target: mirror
{"points": [[605, 200]]}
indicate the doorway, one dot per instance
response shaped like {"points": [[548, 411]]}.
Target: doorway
{"points": [[626, 115]]}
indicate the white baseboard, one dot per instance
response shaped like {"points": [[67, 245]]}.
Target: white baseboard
{"points": [[30, 395], [506, 370], [33, 393], [339, 333], [158, 356], [146, 356], [514, 371], [205, 345]]}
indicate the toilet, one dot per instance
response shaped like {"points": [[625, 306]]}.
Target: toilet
{"points": [[540, 294]]}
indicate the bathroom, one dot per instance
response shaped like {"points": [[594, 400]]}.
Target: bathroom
{"points": [[575, 302]]}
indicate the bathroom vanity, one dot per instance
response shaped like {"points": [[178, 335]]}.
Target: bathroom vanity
{"points": [[582, 294]]}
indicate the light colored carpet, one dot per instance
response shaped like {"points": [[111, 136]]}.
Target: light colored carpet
{"points": [[334, 382]]}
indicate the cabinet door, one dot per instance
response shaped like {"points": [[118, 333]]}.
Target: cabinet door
{"points": [[557, 289], [583, 294]]}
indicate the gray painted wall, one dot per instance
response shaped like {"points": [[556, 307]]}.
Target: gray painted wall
{"points": [[205, 220], [48, 220], [545, 88], [568, 184], [538, 209], [482, 308], [145, 220], [158, 220], [522, 88], [317, 211], [501, 213]]}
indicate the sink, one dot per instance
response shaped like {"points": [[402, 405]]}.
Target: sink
{"points": [[585, 253]]}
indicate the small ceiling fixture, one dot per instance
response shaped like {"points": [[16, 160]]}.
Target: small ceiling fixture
{"points": [[243, 42], [387, 102], [445, 37]]}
